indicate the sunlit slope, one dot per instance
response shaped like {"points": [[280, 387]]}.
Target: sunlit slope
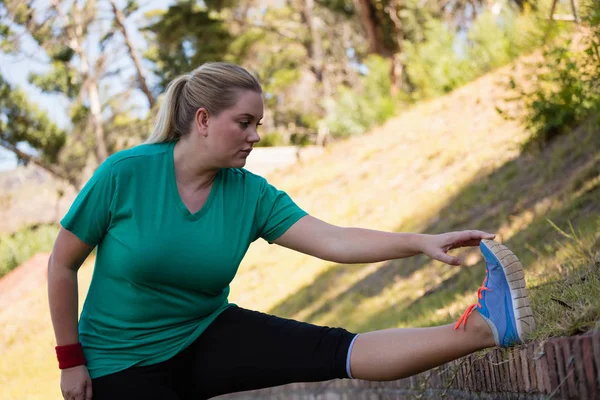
{"points": [[448, 164]]}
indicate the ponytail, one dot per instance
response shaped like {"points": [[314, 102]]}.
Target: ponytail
{"points": [[165, 127]]}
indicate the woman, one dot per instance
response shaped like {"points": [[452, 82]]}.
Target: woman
{"points": [[172, 219]]}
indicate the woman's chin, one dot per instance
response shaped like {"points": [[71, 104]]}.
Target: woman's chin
{"points": [[239, 163]]}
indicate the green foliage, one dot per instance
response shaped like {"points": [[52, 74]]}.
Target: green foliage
{"points": [[271, 139], [433, 67], [444, 61], [354, 110], [60, 80], [21, 121], [18, 247], [565, 87], [185, 37], [495, 40], [569, 302]]}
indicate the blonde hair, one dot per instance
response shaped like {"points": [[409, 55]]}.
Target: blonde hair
{"points": [[214, 86]]}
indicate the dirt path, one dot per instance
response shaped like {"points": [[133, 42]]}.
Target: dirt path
{"points": [[30, 275]]}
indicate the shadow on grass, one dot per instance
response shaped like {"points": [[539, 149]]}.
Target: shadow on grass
{"points": [[560, 184]]}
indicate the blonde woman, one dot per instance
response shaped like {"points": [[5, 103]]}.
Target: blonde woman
{"points": [[172, 219]]}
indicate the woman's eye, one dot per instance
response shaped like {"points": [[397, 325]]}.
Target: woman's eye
{"points": [[245, 124]]}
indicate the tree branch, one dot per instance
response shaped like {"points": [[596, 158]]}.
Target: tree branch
{"points": [[120, 20], [40, 163]]}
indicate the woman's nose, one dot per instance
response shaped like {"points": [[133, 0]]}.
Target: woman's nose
{"points": [[254, 137]]}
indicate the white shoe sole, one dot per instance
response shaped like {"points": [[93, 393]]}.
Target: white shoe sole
{"points": [[515, 276]]}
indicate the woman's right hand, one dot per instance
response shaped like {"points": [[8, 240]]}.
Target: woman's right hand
{"points": [[75, 383]]}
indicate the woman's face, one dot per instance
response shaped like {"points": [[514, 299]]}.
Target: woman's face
{"points": [[232, 134]]}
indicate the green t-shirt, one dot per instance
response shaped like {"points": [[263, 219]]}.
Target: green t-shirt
{"points": [[162, 274]]}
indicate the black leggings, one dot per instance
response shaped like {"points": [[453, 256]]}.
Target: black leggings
{"points": [[241, 350]]}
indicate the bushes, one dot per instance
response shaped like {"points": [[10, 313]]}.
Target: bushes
{"points": [[565, 87], [434, 66], [21, 245], [445, 60], [353, 112], [441, 62]]}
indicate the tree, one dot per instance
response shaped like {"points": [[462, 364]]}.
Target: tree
{"points": [[119, 21], [84, 64], [184, 37], [20, 121]]}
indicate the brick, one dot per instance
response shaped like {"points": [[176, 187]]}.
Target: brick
{"points": [[440, 377], [432, 383], [496, 372], [474, 378], [569, 361], [552, 367], [588, 367], [560, 370], [489, 359], [452, 376], [469, 369], [539, 377], [532, 373], [596, 351], [488, 375], [517, 356], [479, 376], [513, 371], [490, 367], [525, 369], [459, 382], [545, 370], [505, 370], [579, 368], [462, 375], [484, 377], [435, 379], [466, 371], [509, 370]]}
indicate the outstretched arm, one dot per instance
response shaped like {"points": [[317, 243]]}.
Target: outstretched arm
{"points": [[356, 245]]}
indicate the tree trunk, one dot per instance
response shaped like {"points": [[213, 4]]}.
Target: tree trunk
{"points": [[313, 45], [397, 68], [371, 25], [120, 20], [96, 115], [75, 28]]}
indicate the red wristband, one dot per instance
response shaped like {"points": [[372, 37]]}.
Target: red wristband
{"points": [[70, 355]]}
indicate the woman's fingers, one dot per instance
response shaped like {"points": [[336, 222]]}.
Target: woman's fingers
{"points": [[448, 259], [469, 238], [465, 236], [88, 390]]}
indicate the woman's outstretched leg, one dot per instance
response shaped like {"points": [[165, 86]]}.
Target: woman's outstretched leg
{"points": [[397, 353], [501, 317]]}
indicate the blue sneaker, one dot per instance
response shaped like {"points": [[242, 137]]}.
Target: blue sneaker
{"points": [[503, 301]]}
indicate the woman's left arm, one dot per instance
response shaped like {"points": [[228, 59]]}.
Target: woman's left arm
{"points": [[357, 246]]}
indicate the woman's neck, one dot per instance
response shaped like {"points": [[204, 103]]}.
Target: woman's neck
{"points": [[190, 166]]}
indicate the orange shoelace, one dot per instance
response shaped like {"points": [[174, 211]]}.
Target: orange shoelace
{"points": [[469, 310]]}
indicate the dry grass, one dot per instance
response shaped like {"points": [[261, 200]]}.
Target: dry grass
{"points": [[448, 164]]}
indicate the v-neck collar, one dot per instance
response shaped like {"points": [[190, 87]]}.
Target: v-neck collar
{"points": [[175, 191]]}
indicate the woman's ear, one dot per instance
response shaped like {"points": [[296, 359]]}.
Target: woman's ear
{"points": [[201, 121]]}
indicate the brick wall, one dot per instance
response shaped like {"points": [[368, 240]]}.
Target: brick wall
{"points": [[557, 368]]}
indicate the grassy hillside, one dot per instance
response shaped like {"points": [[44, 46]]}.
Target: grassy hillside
{"points": [[448, 164]]}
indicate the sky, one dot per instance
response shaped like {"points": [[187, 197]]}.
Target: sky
{"points": [[16, 69]]}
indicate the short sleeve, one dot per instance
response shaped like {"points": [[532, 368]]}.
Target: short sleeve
{"points": [[89, 216], [276, 212]]}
